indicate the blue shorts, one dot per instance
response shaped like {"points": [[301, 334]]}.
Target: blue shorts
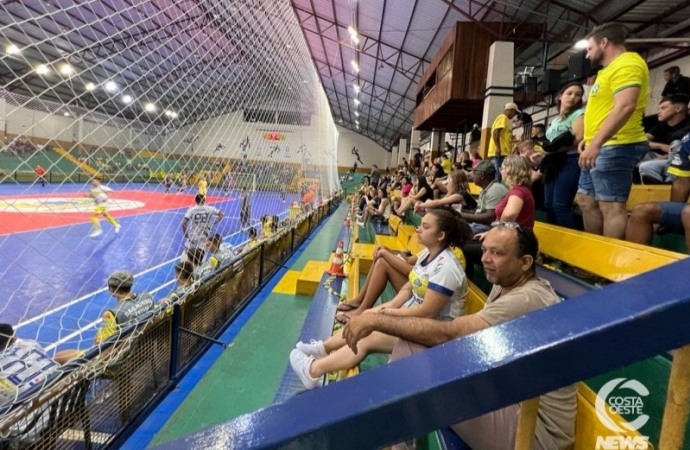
{"points": [[611, 178], [670, 215]]}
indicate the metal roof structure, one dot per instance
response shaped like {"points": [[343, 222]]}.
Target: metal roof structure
{"points": [[184, 52]]}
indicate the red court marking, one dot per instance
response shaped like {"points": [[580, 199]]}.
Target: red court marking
{"points": [[16, 222]]}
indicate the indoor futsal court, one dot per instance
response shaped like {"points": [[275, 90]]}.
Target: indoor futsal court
{"points": [[54, 276]]}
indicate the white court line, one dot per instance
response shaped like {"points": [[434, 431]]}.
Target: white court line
{"points": [[84, 297], [95, 323]]}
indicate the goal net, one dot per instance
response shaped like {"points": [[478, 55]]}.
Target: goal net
{"points": [[158, 102]]}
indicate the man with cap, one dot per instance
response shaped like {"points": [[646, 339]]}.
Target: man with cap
{"points": [[492, 192], [130, 306], [501, 141]]}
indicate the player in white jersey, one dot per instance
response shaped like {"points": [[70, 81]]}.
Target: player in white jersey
{"points": [[198, 223], [99, 194]]}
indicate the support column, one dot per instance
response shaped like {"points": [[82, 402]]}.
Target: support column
{"points": [[499, 88], [438, 144], [415, 137], [402, 151], [394, 156]]}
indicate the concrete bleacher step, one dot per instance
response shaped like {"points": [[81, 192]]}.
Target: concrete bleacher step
{"points": [[310, 277]]}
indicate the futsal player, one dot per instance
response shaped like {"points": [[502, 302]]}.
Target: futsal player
{"points": [[198, 223], [203, 185], [168, 182], [99, 194]]}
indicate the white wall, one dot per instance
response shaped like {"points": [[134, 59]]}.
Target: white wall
{"points": [[370, 152]]}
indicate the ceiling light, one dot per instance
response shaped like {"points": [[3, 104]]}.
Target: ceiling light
{"points": [[173, 114], [66, 69], [150, 107], [90, 86], [355, 66], [357, 102], [289, 46], [352, 30], [168, 113], [127, 99], [581, 44], [356, 114], [66, 114], [357, 88], [111, 86], [42, 69], [12, 49]]}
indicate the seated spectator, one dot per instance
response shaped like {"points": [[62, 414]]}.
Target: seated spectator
{"points": [[539, 133], [406, 188], [381, 211], [516, 206], [493, 191], [185, 284], [393, 267], [437, 289], [130, 306], [222, 254], [509, 258], [673, 124], [457, 195], [25, 364], [421, 192], [676, 84], [534, 153], [673, 215]]}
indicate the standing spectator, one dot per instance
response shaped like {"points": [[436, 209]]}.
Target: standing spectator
{"points": [[475, 137], [560, 169], [502, 137], [676, 84], [614, 140], [374, 176]]}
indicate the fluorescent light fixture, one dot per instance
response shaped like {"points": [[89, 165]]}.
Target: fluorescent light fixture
{"points": [[357, 102], [357, 88], [355, 66], [90, 86], [12, 49], [581, 44], [150, 107], [168, 113], [173, 114], [66, 114], [111, 86], [127, 99], [42, 69], [356, 114], [352, 30]]}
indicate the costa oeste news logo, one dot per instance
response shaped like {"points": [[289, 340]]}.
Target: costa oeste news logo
{"points": [[619, 397]]}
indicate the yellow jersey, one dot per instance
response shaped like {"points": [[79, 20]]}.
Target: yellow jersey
{"points": [[626, 71], [203, 187], [502, 123], [447, 166]]}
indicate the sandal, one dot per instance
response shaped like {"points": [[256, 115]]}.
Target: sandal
{"points": [[345, 306]]}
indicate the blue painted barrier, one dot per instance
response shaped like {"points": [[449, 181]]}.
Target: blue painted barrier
{"points": [[547, 349]]}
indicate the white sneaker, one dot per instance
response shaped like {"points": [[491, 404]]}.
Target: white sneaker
{"points": [[96, 232], [313, 348], [361, 224], [117, 228], [300, 364]]}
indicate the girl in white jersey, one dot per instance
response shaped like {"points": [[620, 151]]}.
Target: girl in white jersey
{"points": [[437, 288]]}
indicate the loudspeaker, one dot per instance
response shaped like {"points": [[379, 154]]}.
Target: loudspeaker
{"points": [[550, 81], [531, 84], [579, 67]]}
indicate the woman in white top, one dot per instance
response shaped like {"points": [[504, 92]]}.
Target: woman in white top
{"points": [[437, 288], [383, 210]]}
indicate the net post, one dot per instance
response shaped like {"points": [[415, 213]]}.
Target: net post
{"points": [[175, 342]]}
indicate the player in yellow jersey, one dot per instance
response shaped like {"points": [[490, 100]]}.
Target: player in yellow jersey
{"points": [[99, 194], [203, 185], [614, 140]]}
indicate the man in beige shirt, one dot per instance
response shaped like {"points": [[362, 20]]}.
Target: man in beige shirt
{"points": [[509, 253]]}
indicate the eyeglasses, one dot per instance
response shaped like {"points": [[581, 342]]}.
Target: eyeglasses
{"points": [[513, 225]]}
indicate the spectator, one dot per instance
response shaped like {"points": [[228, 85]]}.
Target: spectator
{"points": [[40, 174], [502, 137], [437, 289], [457, 195], [673, 215], [539, 133], [614, 140], [491, 194], [475, 137], [509, 258], [676, 84], [673, 125], [560, 168], [421, 192]]}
